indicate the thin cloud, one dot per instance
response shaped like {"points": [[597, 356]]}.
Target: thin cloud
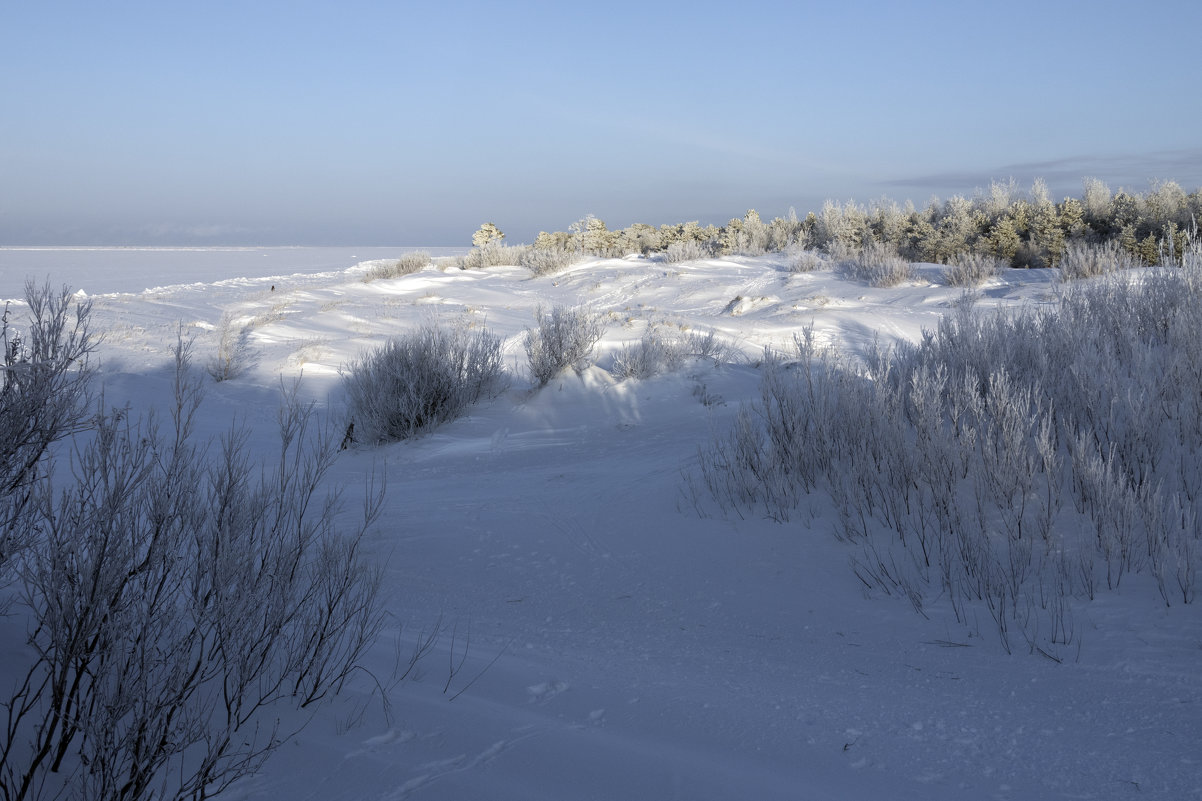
{"points": [[1130, 170]]}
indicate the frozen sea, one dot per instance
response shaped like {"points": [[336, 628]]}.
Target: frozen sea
{"points": [[107, 270]]}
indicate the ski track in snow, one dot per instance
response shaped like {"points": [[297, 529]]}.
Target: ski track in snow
{"points": [[615, 644]]}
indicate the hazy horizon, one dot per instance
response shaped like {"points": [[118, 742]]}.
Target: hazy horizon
{"points": [[161, 238]]}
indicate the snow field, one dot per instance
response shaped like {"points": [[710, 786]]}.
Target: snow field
{"points": [[599, 638]]}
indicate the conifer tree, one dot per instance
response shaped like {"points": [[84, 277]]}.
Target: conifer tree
{"points": [[487, 235]]}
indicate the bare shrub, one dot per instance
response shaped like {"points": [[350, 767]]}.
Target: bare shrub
{"points": [[176, 606], [415, 382], [561, 338], [709, 345], [838, 251], [405, 265], [493, 254], [1191, 254], [233, 356], [45, 375], [654, 353], [1087, 260], [659, 352], [548, 261], [805, 260], [877, 264], [686, 250], [973, 269]]}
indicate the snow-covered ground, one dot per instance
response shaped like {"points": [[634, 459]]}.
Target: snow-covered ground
{"points": [[601, 639]]}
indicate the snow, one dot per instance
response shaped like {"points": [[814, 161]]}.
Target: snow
{"points": [[600, 638]]}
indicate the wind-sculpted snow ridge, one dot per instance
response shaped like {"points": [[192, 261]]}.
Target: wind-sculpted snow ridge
{"points": [[570, 618]]}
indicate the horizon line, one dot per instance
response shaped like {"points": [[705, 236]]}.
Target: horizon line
{"points": [[214, 247]]}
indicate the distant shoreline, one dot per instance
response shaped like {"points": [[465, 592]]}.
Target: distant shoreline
{"points": [[108, 269], [226, 247]]}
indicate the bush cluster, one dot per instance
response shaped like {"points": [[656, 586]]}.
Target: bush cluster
{"points": [[1089, 260], [973, 269], [415, 382], [690, 250], [805, 260], [876, 264], [658, 352], [560, 338], [493, 254], [405, 265], [1019, 463], [548, 261]]}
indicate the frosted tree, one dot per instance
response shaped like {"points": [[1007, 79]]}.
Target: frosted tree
{"points": [[955, 231], [592, 236], [999, 198], [844, 225], [488, 234], [1096, 200]]}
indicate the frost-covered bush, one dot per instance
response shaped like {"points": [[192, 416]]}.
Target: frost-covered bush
{"points": [[805, 260], [973, 269], [709, 346], [876, 264], [174, 600], [405, 265], [560, 338], [660, 352], [233, 355], [1085, 260], [687, 250], [653, 353], [493, 254], [548, 261], [415, 382], [1191, 254], [1017, 464]]}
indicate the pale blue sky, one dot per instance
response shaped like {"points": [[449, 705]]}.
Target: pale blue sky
{"points": [[411, 123]]}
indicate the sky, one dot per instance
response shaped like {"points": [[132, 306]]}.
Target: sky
{"points": [[398, 123]]}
